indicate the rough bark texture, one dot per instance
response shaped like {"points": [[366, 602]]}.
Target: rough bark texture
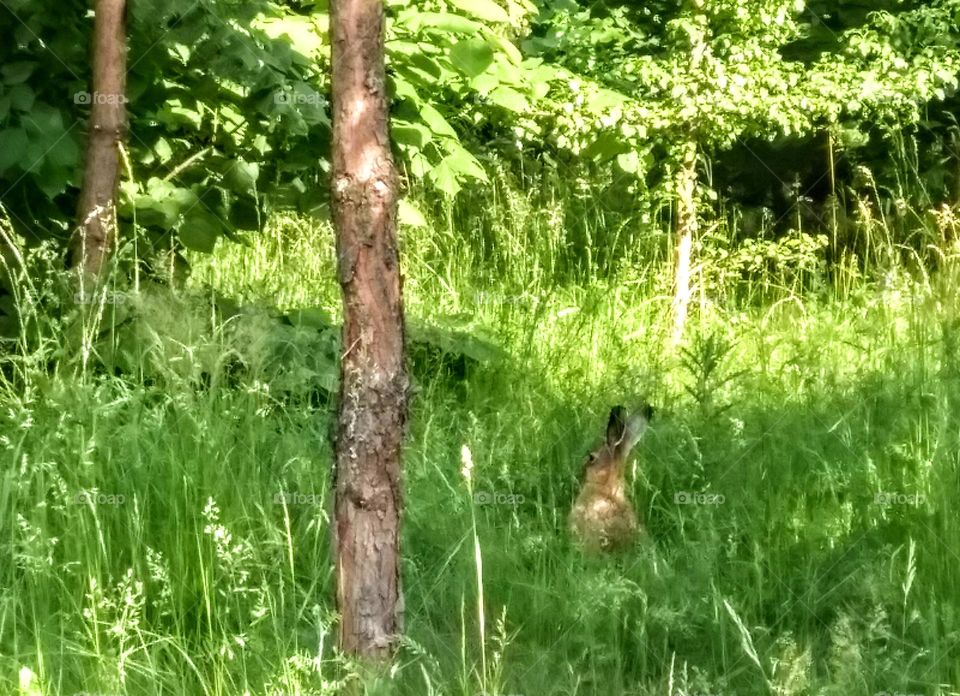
{"points": [[94, 238], [686, 230], [373, 388]]}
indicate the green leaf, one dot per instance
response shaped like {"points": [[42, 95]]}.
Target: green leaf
{"points": [[300, 31], [471, 56], [261, 145], [53, 179], [181, 52], [605, 99], [445, 179], [13, 147], [420, 166], [410, 215], [403, 48], [200, 230], [428, 66], [543, 73], [606, 146], [174, 113], [444, 21], [245, 214], [485, 83], [163, 151], [22, 98], [162, 203], [486, 10], [242, 176], [509, 99], [17, 73], [231, 115], [402, 89], [540, 90], [508, 73], [629, 162], [43, 121], [465, 164], [436, 122], [34, 158], [505, 47], [64, 153], [412, 135]]}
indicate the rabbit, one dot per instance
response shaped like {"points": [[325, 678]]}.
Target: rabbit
{"points": [[603, 518]]}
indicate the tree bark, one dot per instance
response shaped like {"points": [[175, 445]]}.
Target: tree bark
{"points": [[95, 236], [372, 407]]}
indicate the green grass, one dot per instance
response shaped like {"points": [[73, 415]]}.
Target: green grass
{"points": [[187, 576]]}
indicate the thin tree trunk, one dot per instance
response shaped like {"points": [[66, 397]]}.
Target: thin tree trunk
{"points": [[95, 236], [833, 191], [686, 230], [373, 385]]}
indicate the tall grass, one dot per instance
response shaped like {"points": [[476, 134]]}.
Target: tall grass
{"points": [[165, 505]]}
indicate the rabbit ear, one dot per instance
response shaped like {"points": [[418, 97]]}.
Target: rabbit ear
{"points": [[636, 426], [616, 426]]}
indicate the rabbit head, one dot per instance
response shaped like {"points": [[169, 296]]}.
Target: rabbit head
{"points": [[605, 464]]}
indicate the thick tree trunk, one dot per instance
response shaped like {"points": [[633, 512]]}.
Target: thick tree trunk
{"points": [[373, 387], [94, 238], [686, 230]]}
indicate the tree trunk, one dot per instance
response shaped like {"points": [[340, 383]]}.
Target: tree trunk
{"points": [[373, 379], [686, 230], [95, 236]]}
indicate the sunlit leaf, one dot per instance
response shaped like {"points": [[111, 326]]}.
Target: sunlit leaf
{"points": [[409, 215], [486, 10], [471, 56]]}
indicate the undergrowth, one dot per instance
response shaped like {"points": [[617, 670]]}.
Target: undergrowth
{"points": [[165, 500]]}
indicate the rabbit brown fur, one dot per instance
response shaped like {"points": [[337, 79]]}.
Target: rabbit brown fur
{"points": [[603, 518]]}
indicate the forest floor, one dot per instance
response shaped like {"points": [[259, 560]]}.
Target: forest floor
{"points": [[165, 522]]}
